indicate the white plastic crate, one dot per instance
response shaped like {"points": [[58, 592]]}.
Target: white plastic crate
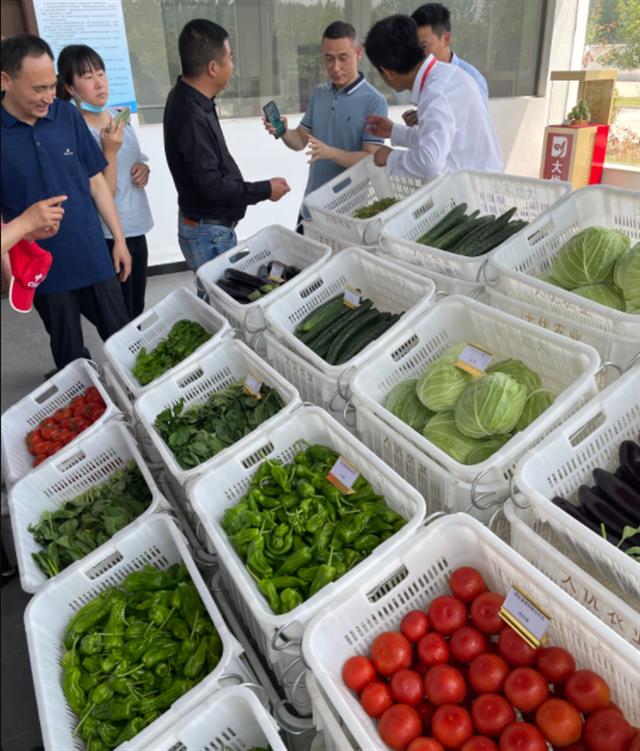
{"points": [[155, 540], [412, 577], [566, 459], [91, 461], [333, 204], [155, 324], [227, 481], [231, 719], [514, 267], [273, 243], [488, 192], [391, 288], [568, 369], [325, 720], [228, 362], [27, 414], [319, 232], [611, 347], [538, 544]]}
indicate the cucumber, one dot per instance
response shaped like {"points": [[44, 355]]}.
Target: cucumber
{"points": [[446, 223], [329, 322], [482, 230], [456, 235], [350, 331], [322, 343], [364, 338], [495, 239], [317, 315]]}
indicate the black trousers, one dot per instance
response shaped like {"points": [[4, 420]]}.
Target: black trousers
{"points": [[134, 288], [299, 225], [101, 304]]}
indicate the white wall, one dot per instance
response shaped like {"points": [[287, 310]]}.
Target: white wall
{"points": [[519, 123]]}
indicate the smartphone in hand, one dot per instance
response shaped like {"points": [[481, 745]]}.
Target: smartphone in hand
{"points": [[123, 116], [272, 113]]}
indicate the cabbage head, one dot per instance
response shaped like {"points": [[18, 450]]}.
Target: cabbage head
{"points": [[404, 404], [626, 276], [518, 370], [588, 257], [605, 294], [441, 430], [487, 448], [490, 406], [537, 402], [442, 383], [548, 278]]}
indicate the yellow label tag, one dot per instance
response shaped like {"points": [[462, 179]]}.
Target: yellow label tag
{"points": [[525, 617], [343, 475], [351, 297], [252, 385], [474, 360]]}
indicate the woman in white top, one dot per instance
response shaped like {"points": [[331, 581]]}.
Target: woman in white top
{"points": [[83, 79]]}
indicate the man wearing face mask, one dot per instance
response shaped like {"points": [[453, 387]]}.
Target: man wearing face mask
{"points": [[47, 150]]}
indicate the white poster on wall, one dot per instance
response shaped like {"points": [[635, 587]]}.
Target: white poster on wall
{"points": [[98, 24]]}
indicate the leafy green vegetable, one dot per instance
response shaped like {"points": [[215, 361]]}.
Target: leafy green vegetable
{"points": [[366, 212], [588, 257], [184, 338], [487, 448], [83, 523], [199, 432], [404, 404], [442, 383], [548, 278], [518, 370], [490, 405], [605, 294], [537, 402], [626, 276], [442, 431]]}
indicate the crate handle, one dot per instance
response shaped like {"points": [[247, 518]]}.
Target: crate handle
{"points": [[147, 322], [373, 224], [494, 519], [513, 493], [477, 497], [399, 353], [338, 187], [240, 255], [633, 362], [66, 465], [348, 410], [284, 722], [490, 282], [47, 393], [278, 646], [258, 345], [262, 325], [388, 584], [195, 374]]}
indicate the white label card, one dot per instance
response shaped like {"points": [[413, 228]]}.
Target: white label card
{"points": [[529, 616], [352, 297], [276, 272], [252, 385], [343, 475], [474, 360]]}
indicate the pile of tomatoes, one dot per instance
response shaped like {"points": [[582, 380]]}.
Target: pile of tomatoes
{"points": [[63, 426], [457, 677]]}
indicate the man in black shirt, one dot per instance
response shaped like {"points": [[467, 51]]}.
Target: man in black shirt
{"points": [[212, 195]]}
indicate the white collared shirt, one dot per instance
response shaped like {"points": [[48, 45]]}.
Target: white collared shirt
{"points": [[454, 128]]}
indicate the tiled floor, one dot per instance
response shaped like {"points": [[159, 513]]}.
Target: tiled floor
{"points": [[25, 359]]}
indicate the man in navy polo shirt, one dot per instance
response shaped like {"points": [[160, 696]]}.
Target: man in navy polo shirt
{"points": [[334, 125], [47, 150]]}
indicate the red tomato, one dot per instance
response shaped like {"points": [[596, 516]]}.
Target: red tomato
{"points": [[82, 424], [33, 449], [607, 730], [526, 689], [447, 614], [32, 436], [47, 433], [615, 707], [580, 745], [391, 652], [62, 414], [92, 395], [467, 583], [487, 674], [48, 422], [399, 725], [357, 672], [484, 612], [66, 436], [555, 663], [426, 710], [467, 643], [444, 685], [433, 650], [520, 736], [96, 411], [376, 698], [479, 743], [407, 687], [420, 668], [635, 743], [491, 714], [414, 625], [515, 650], [425, 744], [39, 459], [78, 401], [54, 447], [559, 722], [587, 691], [451, 725]]}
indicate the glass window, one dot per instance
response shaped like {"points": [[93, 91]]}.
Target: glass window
{"points": [[276, 46]]}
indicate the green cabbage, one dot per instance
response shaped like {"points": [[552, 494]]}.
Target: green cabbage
{"points": [[605, 294], [588, 257], [442, 383], [441, 430], [548, 278], [537, 402], [487, 448], [490, 406], [626, 275], [518, 370], [404, 404]]}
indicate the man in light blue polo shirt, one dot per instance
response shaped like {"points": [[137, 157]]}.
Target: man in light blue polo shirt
{"points": [[334, 125]]}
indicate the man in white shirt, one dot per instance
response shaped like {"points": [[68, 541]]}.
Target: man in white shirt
{"points": [[454, 131]]}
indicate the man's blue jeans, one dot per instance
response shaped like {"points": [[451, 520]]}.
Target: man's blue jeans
{"points": [[203, 242]]}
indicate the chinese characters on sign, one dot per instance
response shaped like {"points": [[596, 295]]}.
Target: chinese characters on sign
{"points": [[558, 154]]}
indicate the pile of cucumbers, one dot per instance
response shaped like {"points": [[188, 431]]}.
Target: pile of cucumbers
{"points": [[471, 234], [336, 332]]}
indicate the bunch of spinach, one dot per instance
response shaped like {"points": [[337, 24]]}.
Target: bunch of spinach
{"points": [[199, 432], [184, 338], [87, 521]]}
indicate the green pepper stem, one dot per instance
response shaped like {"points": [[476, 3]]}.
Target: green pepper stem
{"points": [[82, 719]]}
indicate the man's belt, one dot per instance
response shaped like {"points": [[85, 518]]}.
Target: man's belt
{"points": [[221, 222]]}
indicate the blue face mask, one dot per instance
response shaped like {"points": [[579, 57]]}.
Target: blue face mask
{"points": [[91, 107]]}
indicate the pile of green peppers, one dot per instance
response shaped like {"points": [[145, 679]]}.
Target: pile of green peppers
{"points": [[133, 651], [296, 532]]}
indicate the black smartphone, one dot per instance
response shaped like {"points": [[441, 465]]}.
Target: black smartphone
{"points": [[272, 113]]}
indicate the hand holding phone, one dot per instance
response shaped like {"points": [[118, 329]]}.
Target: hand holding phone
{"points": [[272, 113], [123, 116]]}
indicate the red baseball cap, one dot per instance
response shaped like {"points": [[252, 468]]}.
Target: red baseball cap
{"points": [[30, 265]]}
